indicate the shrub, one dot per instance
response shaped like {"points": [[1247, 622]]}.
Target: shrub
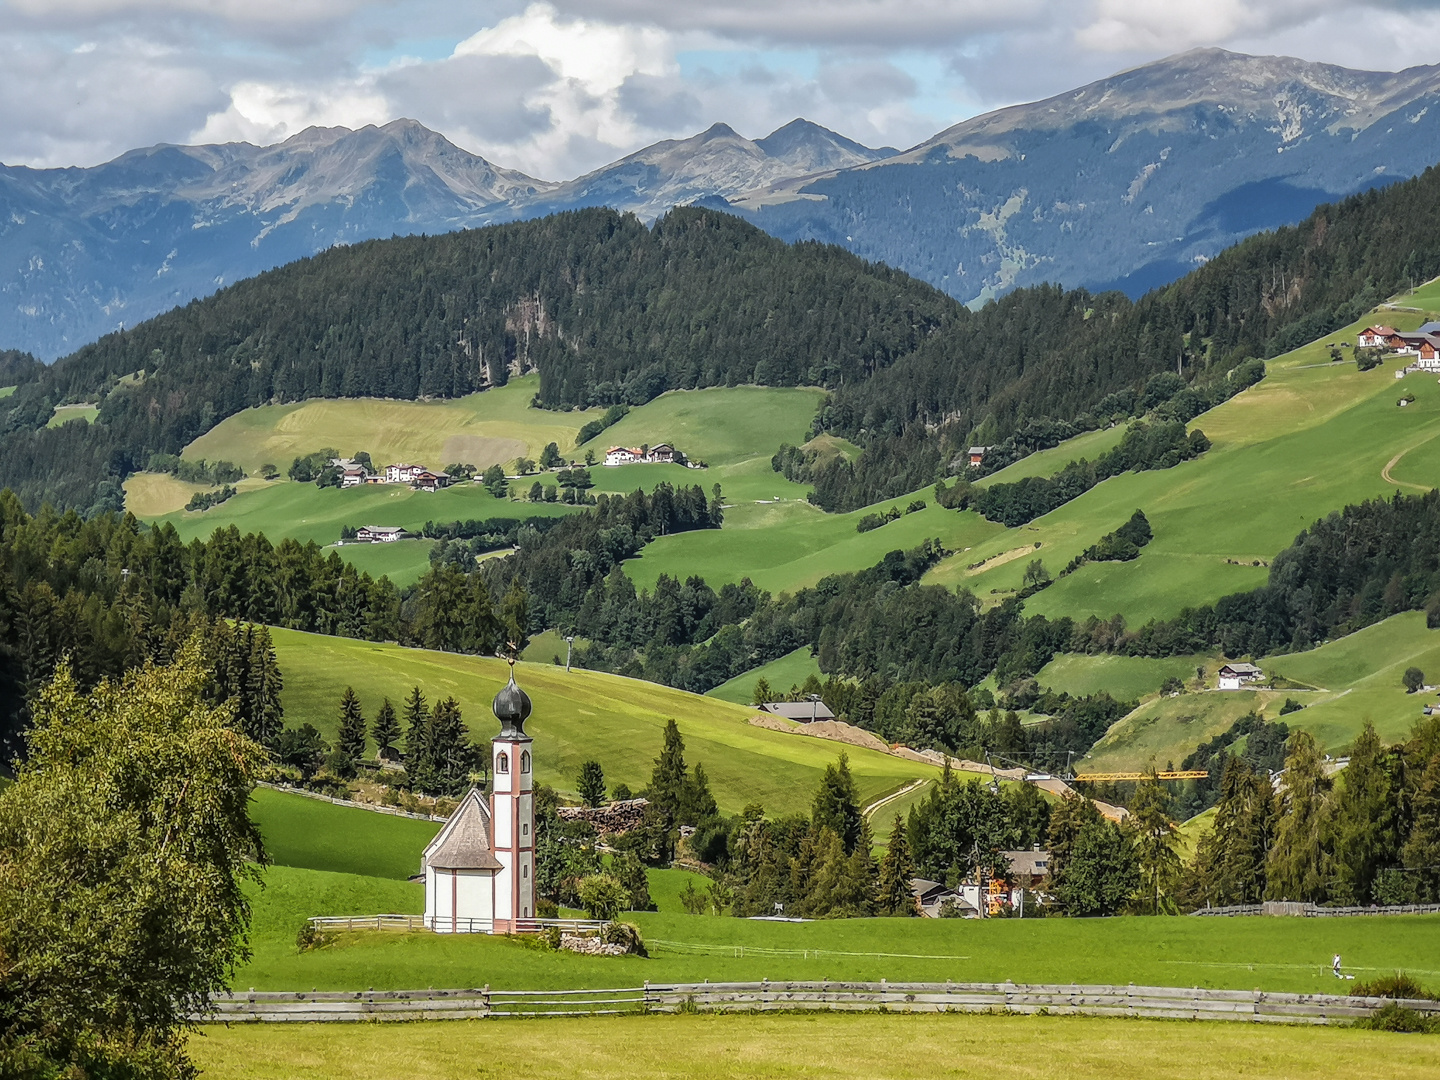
{"points": [[311, 937], [1398, 985], [1394, 1017], [1291, 705], [602, 896], [1413, 679]]}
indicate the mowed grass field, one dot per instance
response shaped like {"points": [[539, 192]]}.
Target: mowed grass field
{"points": [[311, 834], [491, 427], [825, 1046], [582, 715], [792, 669], [1273, 954], [65, 413], [1310, 438]]}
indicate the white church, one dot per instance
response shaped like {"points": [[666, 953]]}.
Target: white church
{"points": [[480, 868]]}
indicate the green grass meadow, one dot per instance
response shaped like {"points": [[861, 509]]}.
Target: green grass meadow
{"points": [[65, 413], [827, 1046], [580, 715], [792, 669], [1310, 438], [310, 834]]}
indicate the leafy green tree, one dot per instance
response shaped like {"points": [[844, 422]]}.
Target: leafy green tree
{"points": [[350, 738], [627, 869], [302, 748], [893, 894], [385, 730], [1365, 825], [1413, 679], [1299, 865], [1155, 839], [495, 482], [550, 456], [125, 849], [537, 492], [591, 783], [1103, 872], [1422, 848], [1035, 575], [603, 896]]}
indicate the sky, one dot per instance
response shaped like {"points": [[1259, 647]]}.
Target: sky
{"points": [[561, 87]]}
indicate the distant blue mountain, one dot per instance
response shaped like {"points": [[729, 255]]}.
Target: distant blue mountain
{"points": [[1126, 183]]}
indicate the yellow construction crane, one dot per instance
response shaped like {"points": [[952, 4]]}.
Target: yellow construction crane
{"points": [[1169, 774]]}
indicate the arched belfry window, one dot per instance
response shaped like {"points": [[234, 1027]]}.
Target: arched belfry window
{"points": [[502, 763], [524, 761]]}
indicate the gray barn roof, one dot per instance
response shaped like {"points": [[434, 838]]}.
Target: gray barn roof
{"points": [[464, 842], [799, 710]]}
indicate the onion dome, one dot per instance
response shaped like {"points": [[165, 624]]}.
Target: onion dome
{"points": [[511, 706]]}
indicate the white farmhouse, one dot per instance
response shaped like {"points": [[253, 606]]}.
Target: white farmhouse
{"points": [[1235, 676]]}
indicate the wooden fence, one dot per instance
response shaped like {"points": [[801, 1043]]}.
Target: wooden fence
{"points": [[1161, 1002], [1315, 911], [451, 926]]}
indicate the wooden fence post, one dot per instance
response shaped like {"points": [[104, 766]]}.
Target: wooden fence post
{"points": [[485, 1001]]}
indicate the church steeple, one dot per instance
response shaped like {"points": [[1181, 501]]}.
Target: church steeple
{"points": [[513, 808]]}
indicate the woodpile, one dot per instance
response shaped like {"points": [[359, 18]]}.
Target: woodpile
{"points": [[615, 817]]}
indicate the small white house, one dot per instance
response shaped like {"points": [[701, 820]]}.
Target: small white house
{"points": [[402, 473], [622, 455], [1236, 676], [352, 476]]}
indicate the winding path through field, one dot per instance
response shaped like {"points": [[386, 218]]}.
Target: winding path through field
{"points": [[906, 790], [1385, 472]]}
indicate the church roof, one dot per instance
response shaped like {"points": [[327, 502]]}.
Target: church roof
{"points": [[464, 842]]}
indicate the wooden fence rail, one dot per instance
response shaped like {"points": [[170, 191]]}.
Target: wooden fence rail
{"points": [[1315, 911], [449, 925], [1167, 1002]]}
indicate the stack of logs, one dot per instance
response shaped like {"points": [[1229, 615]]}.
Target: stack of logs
{"points": [[617, 817]]}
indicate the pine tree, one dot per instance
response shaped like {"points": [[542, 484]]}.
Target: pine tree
{"points": [[482, 631], [1155, 839], [350, 738], [668, 781], [1298, 867], [1365, 823], [263, 684], [385, 730], [762, 694], [893, 894], [697, 804], [449, 747], [1068, 818], [591, 784], [417, 720], [515, 619], [835, 806], [1422, 849]]}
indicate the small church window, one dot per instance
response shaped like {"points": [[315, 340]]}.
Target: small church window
{"points": [[525, 870], [502, 763], [525, 829], [524, 761]]}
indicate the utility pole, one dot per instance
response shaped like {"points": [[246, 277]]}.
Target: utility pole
{"points": [[569, 648]]}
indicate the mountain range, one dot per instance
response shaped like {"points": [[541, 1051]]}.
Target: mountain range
{"points": [[1127, 182]]}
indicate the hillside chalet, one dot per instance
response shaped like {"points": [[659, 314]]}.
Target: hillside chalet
{"points": [[1236, 676], [660, 454], [402, 473], [802, 711], [977, 455], [429, 481], [1423, 344], [379, 534]]}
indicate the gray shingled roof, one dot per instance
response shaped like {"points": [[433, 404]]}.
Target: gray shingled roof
{"points": [[464, 842]]}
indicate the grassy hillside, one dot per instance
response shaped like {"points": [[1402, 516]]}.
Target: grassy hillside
{"points": [[1310, 438], [1355, 678], [792, 669], [492, 427], [306, 833], [617, 721]]}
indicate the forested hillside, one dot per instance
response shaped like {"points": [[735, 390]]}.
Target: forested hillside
{"points": [[612, 312]]}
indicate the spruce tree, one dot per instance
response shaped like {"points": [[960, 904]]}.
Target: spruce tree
{"points": [[893, 894], [1298, 867], [449, 747], [263, 684], [697, 804], [515, 619], [1155, 839], [417, 719], [835, 806], [350, 738], [762, 694], [385, 730], [1365, 825], [591, 783], [1422, 849]]}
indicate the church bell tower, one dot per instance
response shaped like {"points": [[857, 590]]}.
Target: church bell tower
{"points": [[512, 809]]}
